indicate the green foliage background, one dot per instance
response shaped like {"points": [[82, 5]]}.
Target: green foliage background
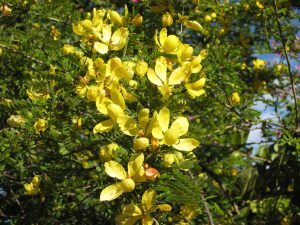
{"points": [[227, 182]]}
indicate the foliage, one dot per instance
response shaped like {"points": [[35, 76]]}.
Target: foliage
{"points": [[139, 112]]}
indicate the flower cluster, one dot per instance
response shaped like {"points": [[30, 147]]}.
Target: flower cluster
{"points": [[112, 84]]}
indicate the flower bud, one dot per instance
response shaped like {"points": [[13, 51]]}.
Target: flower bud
{"points": [[115, 17], [140, 143], [141, 68], [166, 19], [213, 15], [68, 49], [0, 52], [15, 120], [40, 125], [235, 98], [151, 173], [107, 153], [5, 10], [137, 20], [127, 185], [207, 18]]}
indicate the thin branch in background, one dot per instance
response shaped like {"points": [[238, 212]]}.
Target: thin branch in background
{"points": [[283, 42], [210, 218], [25, 55]]}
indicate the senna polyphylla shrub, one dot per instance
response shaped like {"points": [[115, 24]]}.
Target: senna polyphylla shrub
{"points": [[141, 114]]}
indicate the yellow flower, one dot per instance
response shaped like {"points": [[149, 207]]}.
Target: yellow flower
{"points": [[15, 120], [128, 179], [5, 10], [207, 18], [195, 89], [92, 92], [68, 49], [114, 107], [37, 96], [132, 213], [107, 152], [40, 125], [90, 28], [192, 24], [173, 157], [158, 76], [166, 19], [32, 188], [259, 5], [185, 53], [145, 133], [235, 98], [170, 136], [55, 33], [111, 41], [141, 68], [167, 44], [188, 212], [259, 64], [213, 15], [137, 20]]}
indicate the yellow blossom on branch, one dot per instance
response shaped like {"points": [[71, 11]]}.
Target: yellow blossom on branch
{"points": [[32, 188], [171, 135], [167, 44], [128, 179], [132, 213]]}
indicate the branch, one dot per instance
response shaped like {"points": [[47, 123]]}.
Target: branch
{"points": [[211, 222], [283, 42], [24, 54]]}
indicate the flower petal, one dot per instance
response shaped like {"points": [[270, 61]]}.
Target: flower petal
{"points": [[164, 118], [194, 93], [170, 137], [153, 123], [143, 118], [171, 44], [100, 47], [106, 33], [135, 163], [111, 192], [186, 144], [163, 36], [119, 38], [147, 220], [164, 207], [115, 111], [148, 199], [153, 78], [104, 126], [177, 76], [193, 25], [180, 126], [117, 98], [115, 170], [102, 103], [128, 125], [161, 71]]}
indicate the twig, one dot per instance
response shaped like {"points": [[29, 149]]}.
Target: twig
{"points": [[283, 42], [210, 218], [24, 54], [211, 221]]}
